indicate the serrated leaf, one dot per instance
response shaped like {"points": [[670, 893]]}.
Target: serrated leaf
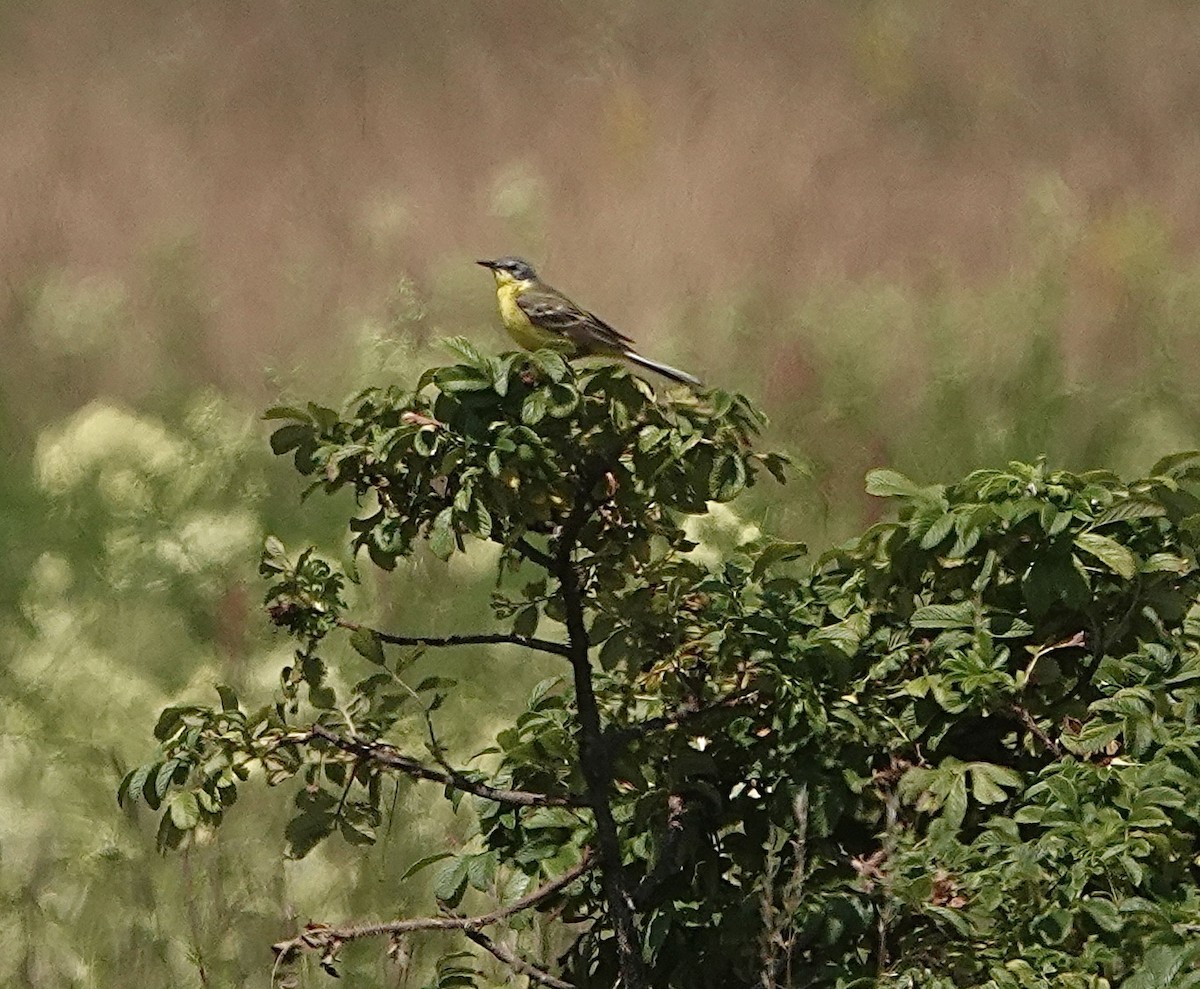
{"points": [[1130, 508], [464, 348], [366, 643], [959, 615], [533, 409], [184, 810], [1109, 552], [938, 531], [442, 541], [988, 782], [883, 482], [305, 831], [451, 883], [727, 478]]}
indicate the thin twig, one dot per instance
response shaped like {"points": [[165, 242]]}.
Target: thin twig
{"points": [[481, 639], [1030, 722], [517, 963], [321, 937], [385, 755]]}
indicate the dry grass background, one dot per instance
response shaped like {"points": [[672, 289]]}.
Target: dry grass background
{"points": [[922, 234], [656, 158]]}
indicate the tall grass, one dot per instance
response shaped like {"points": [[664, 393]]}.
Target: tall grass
{"points": [[924, 235]]}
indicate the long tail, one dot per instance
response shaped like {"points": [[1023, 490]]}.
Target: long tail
{"points": [[664, 369]]}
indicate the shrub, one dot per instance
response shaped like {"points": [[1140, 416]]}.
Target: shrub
{"points": [[958, 751]]}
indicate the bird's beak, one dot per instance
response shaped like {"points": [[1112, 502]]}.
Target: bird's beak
{"points": [[487, 264]]}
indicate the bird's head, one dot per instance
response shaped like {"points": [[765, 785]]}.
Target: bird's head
{"points": [[510, 269]]}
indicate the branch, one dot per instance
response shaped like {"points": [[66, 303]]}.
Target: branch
{"points": [[386, 755], [533, 554], [482, 639], [321, 937], [1030, 722], [594, 757], [517, 963]]}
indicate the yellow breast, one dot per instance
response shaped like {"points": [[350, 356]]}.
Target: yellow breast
{"points": [[514, 319]]}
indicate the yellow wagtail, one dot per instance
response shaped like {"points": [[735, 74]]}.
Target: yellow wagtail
{"points": [[537, 315]]}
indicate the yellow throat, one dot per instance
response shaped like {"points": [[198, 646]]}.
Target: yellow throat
{"points": [[526, 335]]}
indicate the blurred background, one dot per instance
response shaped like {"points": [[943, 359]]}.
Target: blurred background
{"points": [[918, 234]]}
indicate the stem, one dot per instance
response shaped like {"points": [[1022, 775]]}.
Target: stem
{"points": [[322, 937], [482, 639], [516, 962], [594, 756], [385, 755]]}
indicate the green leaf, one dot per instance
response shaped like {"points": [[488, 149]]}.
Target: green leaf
{"points": [[229, 701], [459, 379], [989, 781], [526, 621], [550, 363], [481, 871], [423, 863], [286, 412], [776, 552], [184, 810], [727, 478], [1176, 464], [534, 408], [366, 643], [442, 539], [960, 615], [464, 348], [886, 483], [1109, 552], [305, 831], [288, 438], [938, 531], [1130, 508], [451, 883]]}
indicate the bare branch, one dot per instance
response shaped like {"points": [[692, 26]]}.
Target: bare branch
{"points": [[481, 639], [517, 963], [386, 755], [326, 939], [533, 554], [1030, 722]]}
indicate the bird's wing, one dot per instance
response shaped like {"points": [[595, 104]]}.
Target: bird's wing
{"points": [[551, 310]]}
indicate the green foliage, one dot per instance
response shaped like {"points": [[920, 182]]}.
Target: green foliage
{"points": [[961, 750]]}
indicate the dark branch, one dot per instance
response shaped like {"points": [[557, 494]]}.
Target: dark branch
{"points": [[517, 963], [533, 554], [321, 937], [482, 639], [1030, 722], [594, 757], [385, 755]]}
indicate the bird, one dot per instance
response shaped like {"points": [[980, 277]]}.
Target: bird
{"points": [[537, 316]]}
